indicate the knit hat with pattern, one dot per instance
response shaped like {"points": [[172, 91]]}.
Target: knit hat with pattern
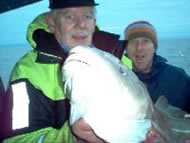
{"points": [[141, 29]]}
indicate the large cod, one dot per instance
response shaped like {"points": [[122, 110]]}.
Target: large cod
{"points": [[115, 103]]}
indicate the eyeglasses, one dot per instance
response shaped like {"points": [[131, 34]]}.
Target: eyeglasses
{"points": [[73, 18]]}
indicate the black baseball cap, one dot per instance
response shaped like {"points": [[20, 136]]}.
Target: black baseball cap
{"points": [[55, 4]]}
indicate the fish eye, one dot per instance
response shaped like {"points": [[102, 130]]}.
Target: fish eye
{"points": [[72, 53], [122, 70]]}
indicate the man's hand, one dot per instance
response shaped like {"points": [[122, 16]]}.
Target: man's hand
{"points": [[84, 132]]}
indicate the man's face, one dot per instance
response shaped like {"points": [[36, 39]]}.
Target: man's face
{"points": [[141, 51], [73, 26]]}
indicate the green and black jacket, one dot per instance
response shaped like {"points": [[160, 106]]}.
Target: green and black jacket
{"points": [[40, 71], [39, 74]]}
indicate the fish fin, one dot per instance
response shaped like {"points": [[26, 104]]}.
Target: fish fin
{"points": [[169, 110], [161, 103]]}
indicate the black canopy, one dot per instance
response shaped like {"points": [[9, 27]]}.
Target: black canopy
{"points": [[6, 5]]}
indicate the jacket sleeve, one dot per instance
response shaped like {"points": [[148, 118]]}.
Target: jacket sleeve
{"points": [[35, 116], [47, 135]]}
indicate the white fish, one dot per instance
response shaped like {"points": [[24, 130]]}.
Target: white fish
{"points": [[107, 95], [115, 103]]}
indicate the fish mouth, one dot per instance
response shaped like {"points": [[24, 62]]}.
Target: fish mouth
{"points": [[73, 58], [77, 60]]}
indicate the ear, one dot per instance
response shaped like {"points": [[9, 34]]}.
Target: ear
{"points": [[155, 48], [94, 26], [50, 22]]}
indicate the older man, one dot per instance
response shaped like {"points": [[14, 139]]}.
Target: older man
{"points": [[39, 111]]}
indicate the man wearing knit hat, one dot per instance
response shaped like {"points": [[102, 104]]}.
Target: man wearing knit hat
{"points": [[159, 77], [40, 109]]}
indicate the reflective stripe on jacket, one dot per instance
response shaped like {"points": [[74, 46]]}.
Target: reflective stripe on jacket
{"points": [[127, 62]]}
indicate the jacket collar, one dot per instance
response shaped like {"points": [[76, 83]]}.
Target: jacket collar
{"points": [[159, 63], [49, 50]]}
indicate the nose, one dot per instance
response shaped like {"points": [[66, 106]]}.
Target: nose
{"points": [[139, 46], [80, 22]]}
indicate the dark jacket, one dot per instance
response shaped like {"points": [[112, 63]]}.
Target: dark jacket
{"points": [[169, 81]]}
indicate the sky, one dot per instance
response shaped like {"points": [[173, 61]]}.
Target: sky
{"points": [[170, 18]]}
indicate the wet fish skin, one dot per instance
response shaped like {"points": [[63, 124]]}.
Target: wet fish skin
{"points": [[96, 82], [170, 121], [107, 95]]}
